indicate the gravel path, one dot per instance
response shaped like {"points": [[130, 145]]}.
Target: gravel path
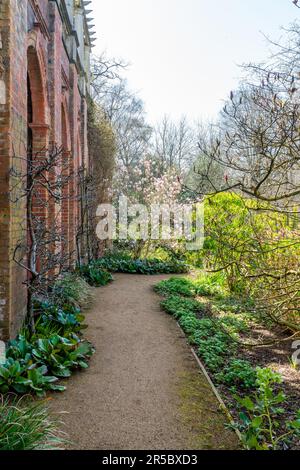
{"points": [[143, 389]]}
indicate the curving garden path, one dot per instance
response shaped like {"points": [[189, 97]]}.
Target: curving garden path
{"points": [[143, 389]]}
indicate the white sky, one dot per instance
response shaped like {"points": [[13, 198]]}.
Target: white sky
{"points": [[184, 53]]}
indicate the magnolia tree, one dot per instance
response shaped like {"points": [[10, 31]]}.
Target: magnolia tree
{"points": [[153, 197]]}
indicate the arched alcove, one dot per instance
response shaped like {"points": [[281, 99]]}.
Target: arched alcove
{"points": [[37, 132], [66, 169]]}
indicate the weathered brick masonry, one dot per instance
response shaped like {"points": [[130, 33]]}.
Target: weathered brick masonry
{"points": [[44, 56]]}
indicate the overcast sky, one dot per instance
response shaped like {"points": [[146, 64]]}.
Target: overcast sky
{"points": [[184, 53]]}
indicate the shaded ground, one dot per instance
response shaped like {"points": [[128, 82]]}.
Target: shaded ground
{"points": [[274, 350], [278, 358], [143, 389]]}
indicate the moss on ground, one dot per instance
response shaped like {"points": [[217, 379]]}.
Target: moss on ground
{"points": [[201, 415]]}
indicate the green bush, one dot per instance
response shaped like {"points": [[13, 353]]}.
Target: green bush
{"points": [[233, 324], [213, 337], [255, 246], [215, 340], [189, 323], [210, 284], [25, 425], [236, 305], [95, 275]]}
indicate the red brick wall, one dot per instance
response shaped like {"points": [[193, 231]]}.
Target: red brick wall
{"points": [[13, 136], [36, 24], [4, 164], [18, 109]]}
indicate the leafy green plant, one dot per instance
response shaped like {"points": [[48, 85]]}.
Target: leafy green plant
{"points": [[95, 275], [189, 323], [36, 361], [179, 306], [214, 329], [238, 373], [25, 379], [34, 366], [212, 344], [259, 416], [177, 286], [40, 381], [233, 324], [25, 425], [63, 321], [251, 247], [11, 377], [119, 254], [20, 350], [210, 284], [234, 304], [71, 290], [213, 337], [142, 266], [62, 355]]}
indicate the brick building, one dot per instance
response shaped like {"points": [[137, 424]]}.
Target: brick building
{"points": [[44, 83]]}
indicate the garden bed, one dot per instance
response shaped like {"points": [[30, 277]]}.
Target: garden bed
{"points": [[141, 266], [38, 360], [217, 327], [278, 358]]}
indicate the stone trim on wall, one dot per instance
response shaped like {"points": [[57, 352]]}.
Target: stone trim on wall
{"points": [[40, 23]]}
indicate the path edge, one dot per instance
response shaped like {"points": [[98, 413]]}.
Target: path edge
{"points": [[223, 407]]}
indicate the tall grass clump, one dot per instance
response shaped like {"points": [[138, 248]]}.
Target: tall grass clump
{"points": [[25, 425]]}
